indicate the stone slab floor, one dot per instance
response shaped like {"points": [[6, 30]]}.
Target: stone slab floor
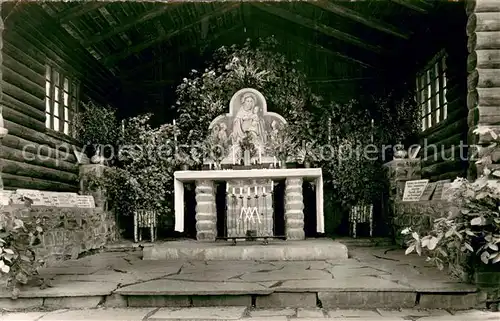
{"points": [[100, 280], [245, 314]]}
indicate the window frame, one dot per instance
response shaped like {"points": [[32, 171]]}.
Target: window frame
{"points": [[431, 90], [61, 100]]}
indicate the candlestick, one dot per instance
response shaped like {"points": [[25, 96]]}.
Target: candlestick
{"points": [[373, 125]]}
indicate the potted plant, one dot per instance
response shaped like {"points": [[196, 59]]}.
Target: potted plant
{"points": [[96, 127]]}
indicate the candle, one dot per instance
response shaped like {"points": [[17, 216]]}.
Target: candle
{"points": [[272, 186], [279, 164], [248, 191], [372, 130], [255, 190], [234, 191], [264, 190], [260, 156], [227, 187], [234, 158]]}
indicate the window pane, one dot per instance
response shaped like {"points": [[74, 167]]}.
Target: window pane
{"points": [[66, 113], [66, 97], [56, 109], [429, 116], [47, 105], [55, 78], [47, 88], [47, 72], [56, 93], [56, 124], [445, 111], [66, 85], [47, 120], [66, 128]]}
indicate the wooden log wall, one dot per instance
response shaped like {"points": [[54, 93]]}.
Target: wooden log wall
{"points": [[483, 65], [445, 144], [33, 156]]}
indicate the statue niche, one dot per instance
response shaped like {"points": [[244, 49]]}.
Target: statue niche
{"points": [[247, 125]]}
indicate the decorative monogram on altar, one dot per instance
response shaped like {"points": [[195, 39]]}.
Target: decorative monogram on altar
{"points": [[248, 125], [249, 214]]}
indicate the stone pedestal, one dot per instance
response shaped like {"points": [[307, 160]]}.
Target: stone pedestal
{"points": [[294, 209], [400, 171], [97, 171], [206, 211]]}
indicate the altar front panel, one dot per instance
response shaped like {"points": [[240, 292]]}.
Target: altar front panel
{"points": [[249, 209]]}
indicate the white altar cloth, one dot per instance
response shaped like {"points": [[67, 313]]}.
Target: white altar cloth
{"points": [[224, 175]]}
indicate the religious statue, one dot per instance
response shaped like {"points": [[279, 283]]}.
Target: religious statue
{"points": [[248, 121], [247, 126]]}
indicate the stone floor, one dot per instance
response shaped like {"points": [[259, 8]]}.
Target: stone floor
{"points": [[245, 314], [371, 278]]}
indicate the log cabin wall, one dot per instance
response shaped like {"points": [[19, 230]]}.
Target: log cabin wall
{"points": [[441, 143], [483, 65], [34, 156]]}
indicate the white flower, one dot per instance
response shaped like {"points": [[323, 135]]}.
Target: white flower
{"points": [[406, 231], [194, 71], [185, 79]]}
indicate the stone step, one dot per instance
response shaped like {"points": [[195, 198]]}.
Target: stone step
{"points": [[312, 250]]}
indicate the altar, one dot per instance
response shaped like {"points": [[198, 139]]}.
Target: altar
{"points": [[206, 215], [248, 152]]}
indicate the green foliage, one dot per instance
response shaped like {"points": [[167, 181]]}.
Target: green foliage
{"points": [[355, 173], [143, 177], [18, 238], [474, 229], [96, 125], [206, 95]]}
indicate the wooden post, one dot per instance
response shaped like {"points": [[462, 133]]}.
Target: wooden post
{"points": [[483, 66]]}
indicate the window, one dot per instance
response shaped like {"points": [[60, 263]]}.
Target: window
{"points": [[61, 100], [431, 92]]}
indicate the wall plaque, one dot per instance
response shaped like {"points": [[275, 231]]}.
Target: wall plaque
{"points": [[427, 194], [34, 195], [85, 201], [438, 192], [447, 191], [414, 190], [5, 197]]}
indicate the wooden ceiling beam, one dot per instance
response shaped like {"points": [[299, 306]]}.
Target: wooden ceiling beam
{"points": [[418, 6], [327, 30], [126, 25], [113, 59], [79, 10], [353, 15], [126, 74]]}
